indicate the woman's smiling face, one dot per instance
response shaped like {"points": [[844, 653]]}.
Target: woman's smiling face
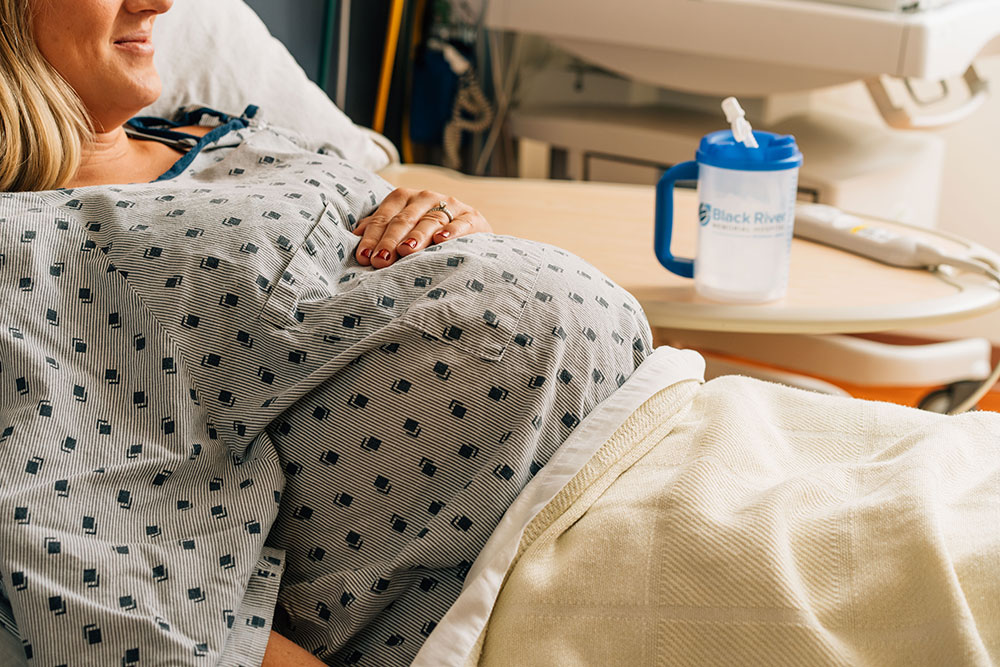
{"points": [[104, 50]]}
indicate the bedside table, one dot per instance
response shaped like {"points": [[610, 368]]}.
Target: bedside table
{"points": [[830, 291]]}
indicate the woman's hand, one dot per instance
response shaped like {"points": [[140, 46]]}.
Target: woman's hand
{"points": [[405, 222], [281, 652]]}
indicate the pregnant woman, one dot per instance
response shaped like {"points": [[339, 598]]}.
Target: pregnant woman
{"points": [[243, 384]]}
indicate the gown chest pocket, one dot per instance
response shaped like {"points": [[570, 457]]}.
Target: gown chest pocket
{"points": [[313, 273], [476, 290]]}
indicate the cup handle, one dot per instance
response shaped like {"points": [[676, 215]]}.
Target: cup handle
{"points": [[685, 171]]}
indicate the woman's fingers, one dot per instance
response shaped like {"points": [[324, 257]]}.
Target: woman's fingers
{"points": [[406, 222], [460, 226], [393, 203], [372, 234], [371, 228], [401, 201], [390, 224], [420, 236], [400, 229]]}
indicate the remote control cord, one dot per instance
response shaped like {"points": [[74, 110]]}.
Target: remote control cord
{"points": [[934, 259]]}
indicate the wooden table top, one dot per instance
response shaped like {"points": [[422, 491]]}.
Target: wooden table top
{"points": [[611, 226]]}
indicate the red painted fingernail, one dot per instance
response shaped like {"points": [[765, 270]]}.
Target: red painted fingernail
{"points": [[366, 253], [383, 255], [444, 235], [410, 242]]}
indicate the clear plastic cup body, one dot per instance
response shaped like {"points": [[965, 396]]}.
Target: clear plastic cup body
{"points": [[745, 221]]}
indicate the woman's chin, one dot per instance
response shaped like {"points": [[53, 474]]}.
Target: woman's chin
{"points": [[129, 101], [147, 90]]}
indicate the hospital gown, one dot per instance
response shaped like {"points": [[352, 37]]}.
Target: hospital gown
{"points": [[203, 395]]}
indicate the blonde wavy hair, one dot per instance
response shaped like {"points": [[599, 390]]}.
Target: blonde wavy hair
{"points": [[43, 123]]}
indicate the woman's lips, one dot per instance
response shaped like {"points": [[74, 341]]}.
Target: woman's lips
{"points": [[136, 44], [137, 48]]}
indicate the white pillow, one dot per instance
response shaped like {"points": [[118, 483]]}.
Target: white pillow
{"points": [[218, 53]]}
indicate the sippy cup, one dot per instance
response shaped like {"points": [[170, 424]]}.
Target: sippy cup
{"points": [[746, 210]]}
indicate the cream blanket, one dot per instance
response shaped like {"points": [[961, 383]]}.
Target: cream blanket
{"points": [[744, 523]]}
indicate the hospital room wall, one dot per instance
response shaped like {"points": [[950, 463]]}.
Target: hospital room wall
{"points": [[300, 25], [970, 197]]}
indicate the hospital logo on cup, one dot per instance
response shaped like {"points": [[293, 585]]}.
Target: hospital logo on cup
{"points": [[704, 214]]}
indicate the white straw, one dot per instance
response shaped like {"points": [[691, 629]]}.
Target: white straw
{"points": [[736, 117]]}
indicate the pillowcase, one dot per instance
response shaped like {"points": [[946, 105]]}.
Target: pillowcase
{"points": [[219, 54]]}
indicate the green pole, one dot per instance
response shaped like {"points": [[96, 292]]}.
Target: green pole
{"points": [[326, 46]]}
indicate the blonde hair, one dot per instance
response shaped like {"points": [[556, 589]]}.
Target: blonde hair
{"points": [[43, 123]]}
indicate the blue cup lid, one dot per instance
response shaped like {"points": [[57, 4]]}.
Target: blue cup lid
{"points": [[775, 152]]}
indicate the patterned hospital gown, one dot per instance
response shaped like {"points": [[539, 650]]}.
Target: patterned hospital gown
{"points": [[203, 394]]}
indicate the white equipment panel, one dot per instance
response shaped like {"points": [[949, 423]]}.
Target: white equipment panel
{"points": [[755, 47]]}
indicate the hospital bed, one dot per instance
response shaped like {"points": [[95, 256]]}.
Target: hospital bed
{"points": [[683, 523]]}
